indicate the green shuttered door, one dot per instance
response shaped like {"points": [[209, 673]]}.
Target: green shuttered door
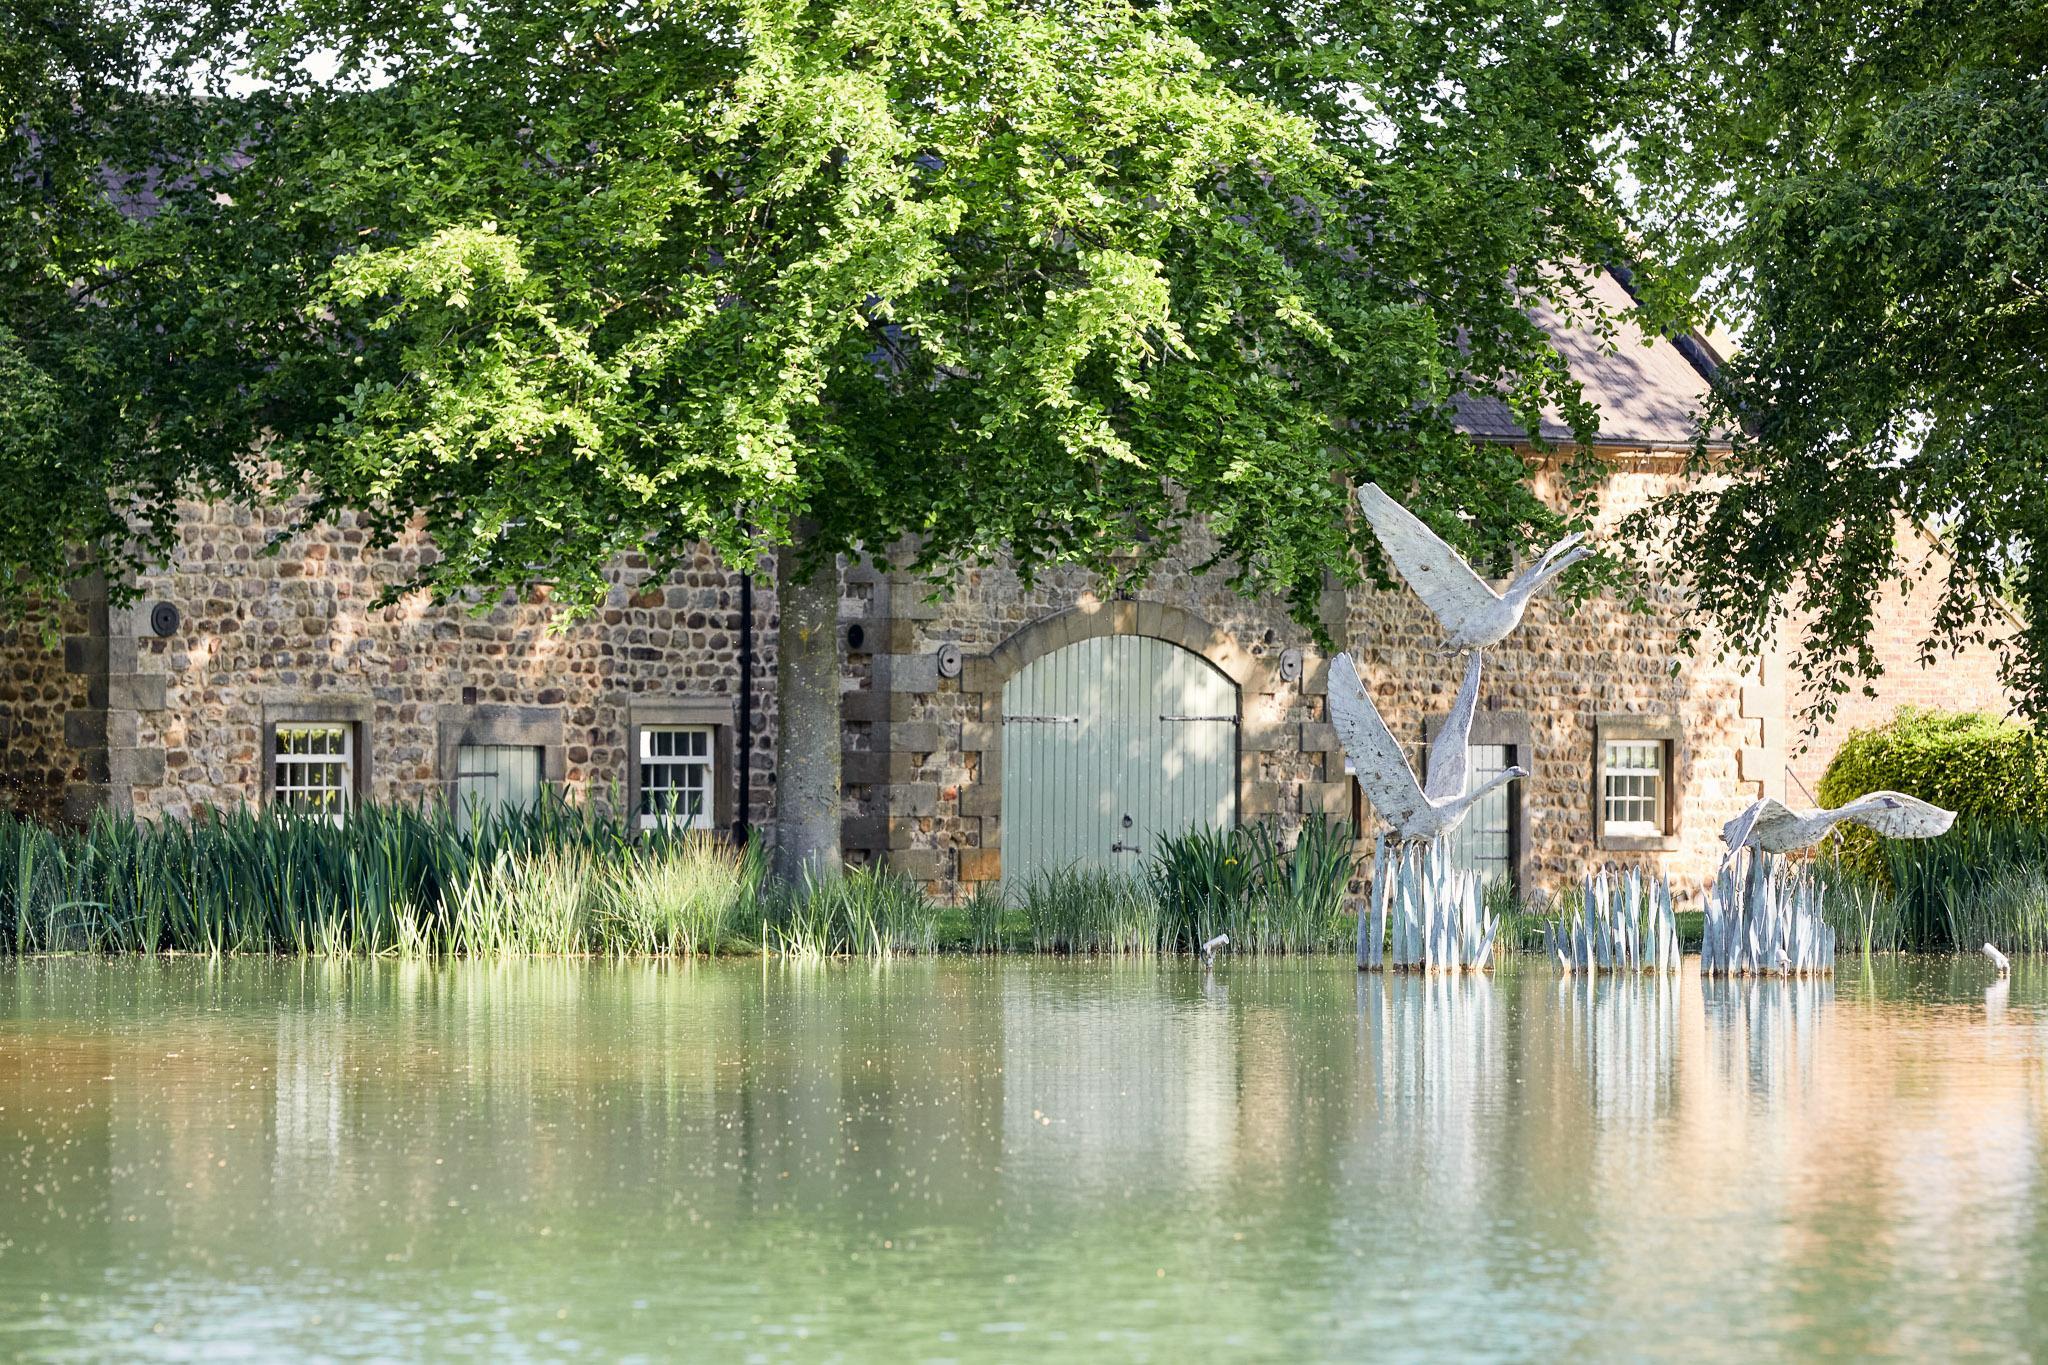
{"points": [[1107, 745]]}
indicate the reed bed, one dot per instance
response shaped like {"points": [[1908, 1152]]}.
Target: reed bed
{"points": [[1982, 881], [563, 879], [406, 880], [867, 912], [1085, 910], [1242, 883]]}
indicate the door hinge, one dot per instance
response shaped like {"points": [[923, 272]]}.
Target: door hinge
{"points": [[1042, 720], [1231, 719]]}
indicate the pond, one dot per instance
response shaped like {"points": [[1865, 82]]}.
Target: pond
{"points": [[961, 1159]]}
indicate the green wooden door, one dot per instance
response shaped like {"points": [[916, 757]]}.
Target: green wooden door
{"points": [[1109, 744]]}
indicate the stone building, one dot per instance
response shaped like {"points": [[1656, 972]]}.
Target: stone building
{"points": [[992, 733]]}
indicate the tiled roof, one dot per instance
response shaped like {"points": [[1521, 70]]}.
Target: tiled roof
{"points": [[1647, 388]]}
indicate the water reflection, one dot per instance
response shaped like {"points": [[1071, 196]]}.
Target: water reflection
{"points": [[984, 1158]]}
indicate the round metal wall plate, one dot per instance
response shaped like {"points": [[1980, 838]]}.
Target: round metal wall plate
{"points": [[1290, 665], [163, 619], [949, 661]]}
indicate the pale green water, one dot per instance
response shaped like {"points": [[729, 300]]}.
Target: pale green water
{"points": [[1014, 1159]]}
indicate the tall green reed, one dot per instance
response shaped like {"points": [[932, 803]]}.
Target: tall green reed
{"points": [[1089, 910], [1241, 882]]}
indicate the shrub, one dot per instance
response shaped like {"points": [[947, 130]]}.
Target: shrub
{"points": [[1976, 881], [1987, 771]]}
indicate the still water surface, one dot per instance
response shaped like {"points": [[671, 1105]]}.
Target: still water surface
{"points": [[1015, 1159]]}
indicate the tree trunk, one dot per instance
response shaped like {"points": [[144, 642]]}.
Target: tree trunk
{"points": [[807, 718]]}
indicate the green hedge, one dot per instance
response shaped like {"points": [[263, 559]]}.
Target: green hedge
{"points": [[1989, 771]]}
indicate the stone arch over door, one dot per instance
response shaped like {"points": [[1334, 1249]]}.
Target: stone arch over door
{"points": [[1253, 676]]}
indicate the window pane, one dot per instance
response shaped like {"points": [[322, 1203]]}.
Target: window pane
{"points": [[1484, 841], [313, 768]]}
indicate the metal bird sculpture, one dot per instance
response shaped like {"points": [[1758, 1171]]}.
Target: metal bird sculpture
{"points": [[1472, 614], [1776, 828], [1418, 812]]}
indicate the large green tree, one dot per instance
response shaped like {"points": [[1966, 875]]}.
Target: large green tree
{"points": [[1862, 190], [109, 381], [1056, 280]]}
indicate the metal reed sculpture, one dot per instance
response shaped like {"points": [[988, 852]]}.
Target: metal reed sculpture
{"points": [[1764, 914], [1472, 614], [1439, 916], [1625, 923], [1764, 919]]}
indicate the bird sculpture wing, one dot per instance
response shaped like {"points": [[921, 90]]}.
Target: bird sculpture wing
{"points": [[1896, 815], [1438, 574], [1449, 761], [1761, 815], [1381, 767]]}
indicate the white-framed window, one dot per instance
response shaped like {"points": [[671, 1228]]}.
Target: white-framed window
{"points": [[1484, 842], [1633, 785], [677, 770], [313, 767], [495, 777]]}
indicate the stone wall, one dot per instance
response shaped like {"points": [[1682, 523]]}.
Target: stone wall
{"points": [[300, 631], [169, 724], [1964, 681], [1559, 679], [50, 739]]}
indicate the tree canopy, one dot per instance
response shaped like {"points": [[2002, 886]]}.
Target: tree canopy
{"points": [[1055, 279], [103, 411], [1862, 189]]}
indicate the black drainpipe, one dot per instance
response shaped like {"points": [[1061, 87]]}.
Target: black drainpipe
{"points": [[746, 736]]}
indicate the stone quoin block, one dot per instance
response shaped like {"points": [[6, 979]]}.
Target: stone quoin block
{"points": [[915, 798], [136, 692], [914, 736], [918, 864]]}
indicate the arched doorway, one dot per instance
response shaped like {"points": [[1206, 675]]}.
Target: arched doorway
{"points": [[1109, 744]]}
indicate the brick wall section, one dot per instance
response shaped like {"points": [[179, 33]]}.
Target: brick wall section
{"points": [[1966, 681], [302, 627]]}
